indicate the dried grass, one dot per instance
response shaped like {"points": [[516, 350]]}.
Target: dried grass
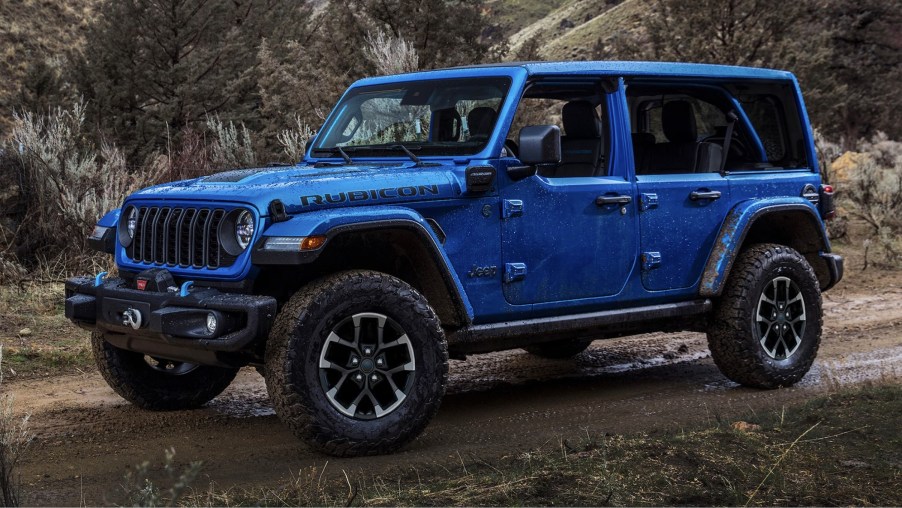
{"points": [[14, 441]]}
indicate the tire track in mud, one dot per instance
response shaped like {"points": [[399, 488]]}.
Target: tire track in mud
{"points": [[499, 403]]}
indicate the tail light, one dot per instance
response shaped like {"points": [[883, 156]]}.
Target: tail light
{"points": [[827, 208]]}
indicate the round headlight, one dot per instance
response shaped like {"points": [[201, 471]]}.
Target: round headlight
{"points": [[128, 225], [131, 221], [244, 229]]}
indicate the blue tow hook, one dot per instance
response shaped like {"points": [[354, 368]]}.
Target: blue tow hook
{"points": [[98, 280], [186, 286]]}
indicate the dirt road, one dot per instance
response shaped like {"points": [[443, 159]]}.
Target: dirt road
{"points": [[87, 438]]}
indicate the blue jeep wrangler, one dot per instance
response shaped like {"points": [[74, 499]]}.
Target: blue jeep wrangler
{"points": [[458, 211]]}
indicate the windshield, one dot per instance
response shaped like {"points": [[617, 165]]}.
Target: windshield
{"points": [[436, 117]]}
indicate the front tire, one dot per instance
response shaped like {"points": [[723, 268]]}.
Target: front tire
{"points": [[158, 384], [357, 364], [766, 328]]}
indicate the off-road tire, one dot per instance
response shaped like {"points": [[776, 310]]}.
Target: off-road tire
{"points": [[731, 338], [558, 350], [130, 376], [293, 355]]}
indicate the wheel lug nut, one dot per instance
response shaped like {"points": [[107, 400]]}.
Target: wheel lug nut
{"points": [[374, 378], [380, 362], [355, 360], [367, 351], [359, 377]]}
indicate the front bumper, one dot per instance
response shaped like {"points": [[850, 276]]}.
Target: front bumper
{"points": [[167, 325]]}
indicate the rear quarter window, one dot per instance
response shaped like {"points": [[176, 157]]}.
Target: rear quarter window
{"points": [[765, 114]]}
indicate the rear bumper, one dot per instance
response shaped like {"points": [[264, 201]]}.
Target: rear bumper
{"points": [[835, 267], [170, 326]]}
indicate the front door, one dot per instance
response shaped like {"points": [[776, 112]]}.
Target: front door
{"points": [[567, 238]]}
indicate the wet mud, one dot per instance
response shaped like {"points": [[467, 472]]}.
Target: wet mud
{"points": [[87, 438]]}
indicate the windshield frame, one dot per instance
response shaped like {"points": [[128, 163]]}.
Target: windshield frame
{"points": [[510, 83]]}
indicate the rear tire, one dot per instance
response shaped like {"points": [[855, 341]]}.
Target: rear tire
{"points": [[766, 328], [559, 350], [357, 364], [158, 384]]}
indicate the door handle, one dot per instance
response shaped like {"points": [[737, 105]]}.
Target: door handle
{"points": [[613, 200], [704, 194]]}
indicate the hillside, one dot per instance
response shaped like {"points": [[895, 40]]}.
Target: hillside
{"points": [[564, 29], [32, 29], [44, 30], [577, 43]]}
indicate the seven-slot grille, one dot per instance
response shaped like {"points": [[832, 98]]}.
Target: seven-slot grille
{"points": [[183, 237]]}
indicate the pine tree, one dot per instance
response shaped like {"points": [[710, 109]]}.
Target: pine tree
{"points": [[153, 68], [444, 32]]}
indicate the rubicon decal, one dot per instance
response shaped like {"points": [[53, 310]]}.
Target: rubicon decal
{"points": [[370, 195]]}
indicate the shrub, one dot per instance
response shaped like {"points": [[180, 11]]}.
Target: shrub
{"points": [[231, 146], [142, 491], [66, 183], [294, 141], [827, 153], [390, 55], [873, 194]]}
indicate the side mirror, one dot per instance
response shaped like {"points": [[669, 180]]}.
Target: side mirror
{"points": [[540, 144]]}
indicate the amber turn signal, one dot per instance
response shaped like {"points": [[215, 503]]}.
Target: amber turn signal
{"points": [[313, 242]]}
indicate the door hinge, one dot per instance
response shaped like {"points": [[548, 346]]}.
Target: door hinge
{"points": [[514, 272], [651, 260], [648, 200], [511, 208]]}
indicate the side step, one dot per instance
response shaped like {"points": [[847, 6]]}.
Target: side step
{"points": [[513, 334]]}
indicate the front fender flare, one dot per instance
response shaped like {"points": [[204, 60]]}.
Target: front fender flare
{"points": [[735, 228], [332, 223]]}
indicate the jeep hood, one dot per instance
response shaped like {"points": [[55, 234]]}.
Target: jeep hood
{"points": [[306, 187]]}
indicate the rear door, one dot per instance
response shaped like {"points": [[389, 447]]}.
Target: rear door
{"points": [[681, 215], [681, 209]]}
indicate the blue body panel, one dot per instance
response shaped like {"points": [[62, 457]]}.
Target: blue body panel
{"points": [[577, 256], [680, 230]]}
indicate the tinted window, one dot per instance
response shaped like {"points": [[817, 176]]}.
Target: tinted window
{"points": [[708, 117], [764, 113]]}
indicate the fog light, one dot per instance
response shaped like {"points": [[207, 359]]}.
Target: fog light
{"points": [[211, 323]]}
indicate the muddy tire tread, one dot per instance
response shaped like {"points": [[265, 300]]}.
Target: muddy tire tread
{"points": [[734, 352], [298, 413], [133, 380]]}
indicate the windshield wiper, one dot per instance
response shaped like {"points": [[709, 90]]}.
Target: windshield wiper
{"points": [[344, 155], [336, 149], [398, 146], [410, 154]]}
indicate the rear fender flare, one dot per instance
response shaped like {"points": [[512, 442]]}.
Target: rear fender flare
{"points": [[735, 229]]}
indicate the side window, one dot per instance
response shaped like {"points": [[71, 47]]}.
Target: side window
{"points": [[681, 129], [578, 112], [709, 120], [764, 113], [536, 112]]}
